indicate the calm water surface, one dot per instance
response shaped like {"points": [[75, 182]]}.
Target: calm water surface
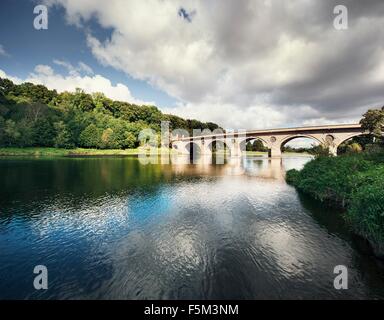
{"points": [[114, 228]]}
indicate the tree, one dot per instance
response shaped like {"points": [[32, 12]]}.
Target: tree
{"points": [[130, 140], [373, 121], [33, 115], [258, 146], [6, 86], [2, 132], [11, 133], [102, 103], [35, 111], [82, 100], [26, 130], [90, 137], [320, 151], [43, 132], [354, 148], [63, 137], [107, 141]]}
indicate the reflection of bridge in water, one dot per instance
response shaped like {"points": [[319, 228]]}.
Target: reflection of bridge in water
{"points": [[260, 166], [329, 135]]}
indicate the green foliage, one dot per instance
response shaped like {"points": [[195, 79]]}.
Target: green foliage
{"points": [[2, 132], [363, 142], [292, 177], [373, 121], [107, 139], [352, 181], [90, 137], [257, 145], [366, 211], [354, 148], [32, 115], [6, 86], [63, 137], [43, 133], [319, 151], [130, 140], [12, 134]]}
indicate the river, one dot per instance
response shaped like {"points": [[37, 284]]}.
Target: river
{"points": [[113, 228]]}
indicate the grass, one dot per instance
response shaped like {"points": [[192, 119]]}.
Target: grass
{"points": [[255, 153], [297, 154], [57, 152]]}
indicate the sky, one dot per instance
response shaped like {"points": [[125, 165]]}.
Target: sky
{"points": [[244, 64]]}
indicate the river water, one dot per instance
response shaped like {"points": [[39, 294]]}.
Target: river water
{"points": [[113, 228]]}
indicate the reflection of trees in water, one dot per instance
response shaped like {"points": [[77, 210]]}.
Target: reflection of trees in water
{"points": [[27, 181], [331, 219], [327, 217], [38, 181]]}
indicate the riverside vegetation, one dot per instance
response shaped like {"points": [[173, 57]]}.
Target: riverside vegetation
{"points": [[34, 116], [353, 181]]}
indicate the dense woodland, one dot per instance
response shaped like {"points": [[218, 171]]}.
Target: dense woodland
{"points": [[32, 115]]}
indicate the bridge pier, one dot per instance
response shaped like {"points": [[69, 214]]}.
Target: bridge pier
{"points": [[274, 152], [332, 150], [236, 149]]}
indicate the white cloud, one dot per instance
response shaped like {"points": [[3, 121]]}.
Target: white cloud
{"points": [[3, 52], [44, 74], [248, 61], [74, 71], [228, 115], [13, 79]]}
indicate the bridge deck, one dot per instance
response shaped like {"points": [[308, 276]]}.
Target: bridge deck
{"points": [[337, 127]]}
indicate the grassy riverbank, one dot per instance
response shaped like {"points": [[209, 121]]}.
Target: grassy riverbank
{"points": [[352, 182], [57, 152]]}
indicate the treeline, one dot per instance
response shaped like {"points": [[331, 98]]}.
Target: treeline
{"points": [[34, 116], [256, 145]]}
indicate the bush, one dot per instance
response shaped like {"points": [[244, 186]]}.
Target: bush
{"points": [[320, 151], [351, 181], [366, 211], [330, 179], [354, 148], [292, 176]]}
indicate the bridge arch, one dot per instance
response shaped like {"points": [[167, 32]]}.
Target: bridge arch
{"points": [[193, 149], [344, 139], [287, 139], [243, 142], [222, 143]]}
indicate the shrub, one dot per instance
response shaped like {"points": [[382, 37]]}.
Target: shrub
{"points": [[292, 176], [366, 211], [352, 181], [330, 179], [354, 148]]}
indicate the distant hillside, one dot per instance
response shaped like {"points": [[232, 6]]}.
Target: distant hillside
{"points": [[33, 115]]}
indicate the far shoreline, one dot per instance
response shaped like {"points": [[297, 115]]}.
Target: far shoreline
{"points": [[85, 152]]}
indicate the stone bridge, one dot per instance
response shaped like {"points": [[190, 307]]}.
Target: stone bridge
{"points": [[328, 135]]}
